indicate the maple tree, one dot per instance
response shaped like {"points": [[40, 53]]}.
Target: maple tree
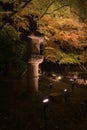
{"points": [[63, 23]]}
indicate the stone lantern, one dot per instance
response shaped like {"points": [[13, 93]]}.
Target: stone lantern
{"points": [[33, 60]]}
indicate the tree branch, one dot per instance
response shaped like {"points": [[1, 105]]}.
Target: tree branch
{"points": [[82, 19], [14, 13], [6, 12], [57, 9], [46, 10]]}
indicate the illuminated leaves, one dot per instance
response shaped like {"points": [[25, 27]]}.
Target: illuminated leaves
{"points": [[58, 20], [50, 54], [64, 58]]}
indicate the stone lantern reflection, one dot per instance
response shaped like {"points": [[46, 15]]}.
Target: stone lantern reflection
{"points": [[34, 58]]}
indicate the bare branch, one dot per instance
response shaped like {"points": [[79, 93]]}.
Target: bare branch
{"points": [[46, 10], [6, 12], [57, 9], [82, 19]]}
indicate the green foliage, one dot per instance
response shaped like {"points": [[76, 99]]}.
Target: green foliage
{"points": [[50, 54], [11, 47], [69, 59], [54, 55]]}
